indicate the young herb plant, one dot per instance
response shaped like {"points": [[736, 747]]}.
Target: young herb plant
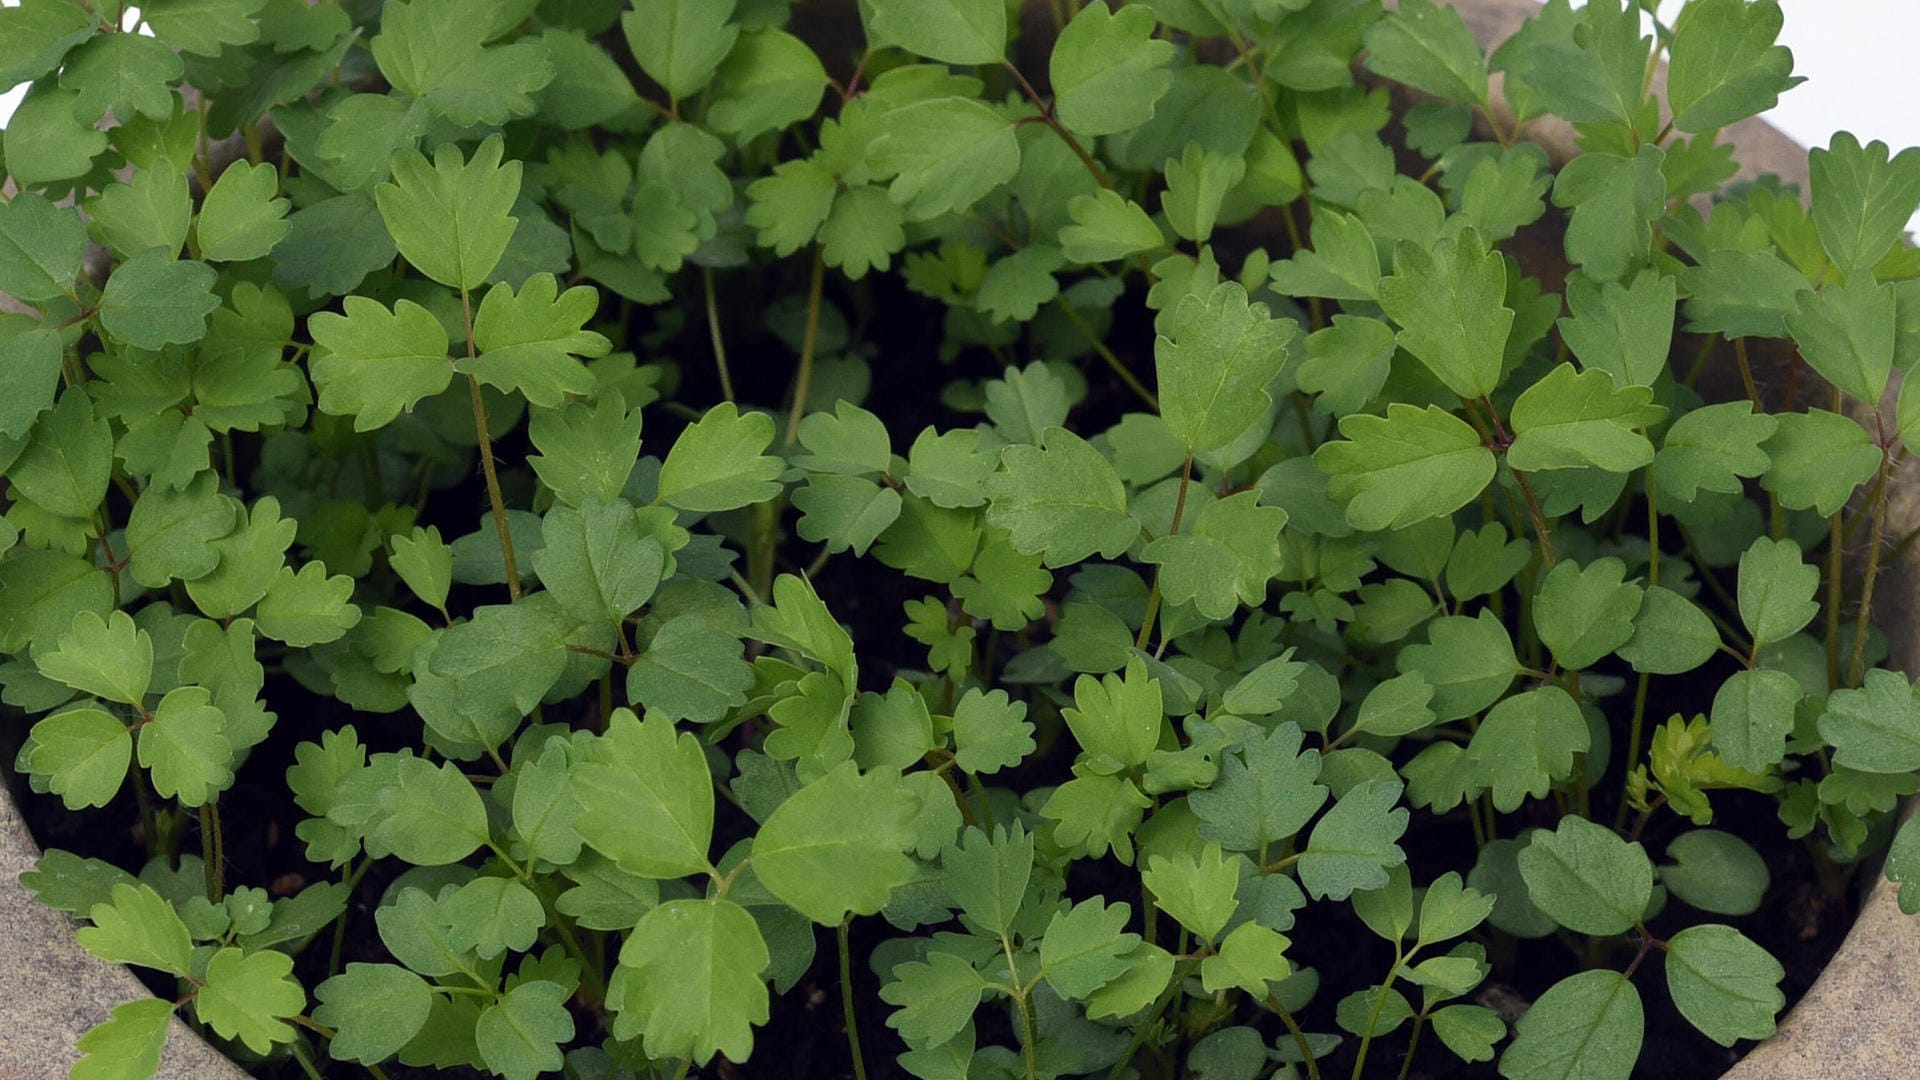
{"points": [[1280, 559]]}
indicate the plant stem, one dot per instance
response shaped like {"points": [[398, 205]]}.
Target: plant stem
{"points": [[846, 1002], [486, 460], [1373, 1018], [803, 379], [1299, 1037], [1836, 542], [1047, 117], [1874, 541], [1746, 373], [713, 330], [213, 853], [1413, 1045], [1106, 354]]}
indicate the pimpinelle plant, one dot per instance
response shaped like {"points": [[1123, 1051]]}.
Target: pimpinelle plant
{"points": [[1067, 541]]}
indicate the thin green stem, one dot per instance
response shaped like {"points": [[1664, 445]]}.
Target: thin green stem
{"points": [[713, 331], [1299, 1036], [213, 851], [1413, 1045], [1100, 349], [1836, 544], [846, 1002], [1373, 1018], [803, 379], [485, 441], [1874, 540]]}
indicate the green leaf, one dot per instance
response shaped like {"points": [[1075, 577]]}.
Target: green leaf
{"points": [[1615, 201], [1086, 947], [34, 35], [1741, 293], [153, 301], [1450, 909], [990, 731], [1713, 449], [185, 747], [679, 43], [1752, 717], [81, 753], [1250, 958], [1723, 983], [936, 998], [45, 142], [690, 671], [1093, 813], [1484, 560], [1149, 967], [127, 1046], [425, 563], [1429, 48], [451, 219], [1586, 1026], [720, 463], [1396, 706], [1015, 286], [1903, 864], [1354, 846], [1108, 69], [1846, 332], [1197, 888], [788, 206], [646, 798], [1469, 1031], [1818, 459], [1671, 635], [1225, 560], [1572, 420], [308, 607], [1625, 331], [1596, 73], [597, 561], [529, 342], [1405, 467], [1725, 66], [1450, 304], [1588, 879], [373, 364], [109, 658], [434, 50], [690, 979], [1116, 719], [490, 915], [251, 557], [1584, 613], [203, 26], [242, 216], [862, 232], [1469, 662], [1343, 263], [1060, 500], [1876, 728], [950, 31], [149, 210], [374, 1009], [987, 875], [1346, 363], [1862, 198], [1715, 871], [770, 81], [1107, 226], [41, 245], [837, 846], [519, 1036], [245, 995], [124, 74], [407, 807], [1266, 792], [138, 926], [1776, 590], [945, 154], [1214, 364], [1526, 744]]}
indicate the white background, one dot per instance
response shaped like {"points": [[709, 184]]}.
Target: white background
{"points": [[1858, 57]]}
